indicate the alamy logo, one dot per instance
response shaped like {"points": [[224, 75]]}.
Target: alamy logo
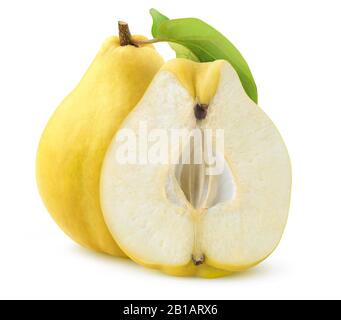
{"points": [[173, 146]]}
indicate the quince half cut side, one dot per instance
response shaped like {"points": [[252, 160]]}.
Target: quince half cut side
{"points": [[178, 217]]}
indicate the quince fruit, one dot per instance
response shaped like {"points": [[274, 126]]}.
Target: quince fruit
{"points": [[76, 138], [185, 219]]}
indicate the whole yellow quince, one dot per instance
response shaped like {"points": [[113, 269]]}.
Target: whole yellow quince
{"points": [[76, 138]]}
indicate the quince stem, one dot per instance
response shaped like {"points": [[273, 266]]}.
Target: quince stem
{"points": [[124, 34], [126, 39]]}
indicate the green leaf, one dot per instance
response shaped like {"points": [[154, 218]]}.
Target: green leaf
{"points": [[158, 18], [181, 51], [205, 43]]}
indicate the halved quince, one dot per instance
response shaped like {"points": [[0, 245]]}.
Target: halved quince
{"points": [[175, 216]]}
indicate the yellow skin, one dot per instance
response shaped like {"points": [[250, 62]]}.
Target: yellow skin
{"points": [[76, 138]]}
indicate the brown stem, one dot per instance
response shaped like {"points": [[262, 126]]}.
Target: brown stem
{"points": [[124, 34]]}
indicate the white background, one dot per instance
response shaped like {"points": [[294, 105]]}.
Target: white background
{"points": [[294, 51]]}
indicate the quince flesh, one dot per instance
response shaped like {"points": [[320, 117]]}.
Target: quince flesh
{"points": [[181, 220]]}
